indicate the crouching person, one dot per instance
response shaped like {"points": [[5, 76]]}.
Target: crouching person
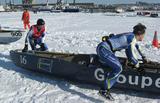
{"points": [[36, 36], [106, 53]]}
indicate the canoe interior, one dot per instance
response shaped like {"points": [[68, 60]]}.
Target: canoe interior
{"points": [[74, 58]]}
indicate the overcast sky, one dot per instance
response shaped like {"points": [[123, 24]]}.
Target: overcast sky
{"points": [[95, 1]]}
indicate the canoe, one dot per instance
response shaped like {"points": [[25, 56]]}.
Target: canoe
{"points": [[86, 68], [9, 35]]}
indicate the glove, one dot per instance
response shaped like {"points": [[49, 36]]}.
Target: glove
{"points": [[145, 60], [42, 47], [25, 49], [133, 66], [141, 71], [136, 66]]}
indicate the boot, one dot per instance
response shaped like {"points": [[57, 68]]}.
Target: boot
{"points": [[106, 94]]}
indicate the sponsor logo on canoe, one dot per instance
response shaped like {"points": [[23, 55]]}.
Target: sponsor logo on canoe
{"points": [[45, 64], [142, 81], [16, 34]]}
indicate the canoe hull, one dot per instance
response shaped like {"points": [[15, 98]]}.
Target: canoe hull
{"points": [[10, 35], [79, 71]]}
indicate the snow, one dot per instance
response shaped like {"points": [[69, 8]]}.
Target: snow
{"points": [[71, 33]]}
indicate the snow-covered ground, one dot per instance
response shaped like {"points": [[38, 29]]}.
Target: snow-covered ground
{"points": [[74, 33]]}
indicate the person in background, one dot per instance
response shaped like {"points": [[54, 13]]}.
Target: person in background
{"points": [[106, 53], [26, 19], [36, 36]]}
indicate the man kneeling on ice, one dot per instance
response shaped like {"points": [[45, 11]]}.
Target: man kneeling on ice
{"points": [[36, 36], [106, 53]]}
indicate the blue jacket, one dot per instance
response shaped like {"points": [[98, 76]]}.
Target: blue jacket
{"points": [[128, 42]]}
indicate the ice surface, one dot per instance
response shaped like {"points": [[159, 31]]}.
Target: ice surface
{"points": [[73, 33]]}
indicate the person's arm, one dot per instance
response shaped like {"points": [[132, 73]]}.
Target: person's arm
{"points": [[28, 17], [130, 52], [43, 36], [145, 60], [29, 34], [23, 16], [43, 46], [132, 56], [139, 51]]}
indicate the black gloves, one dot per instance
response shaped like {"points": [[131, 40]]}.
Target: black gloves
{"points": [[137, 68], [25, 49], [145, 60], [140, 71]]}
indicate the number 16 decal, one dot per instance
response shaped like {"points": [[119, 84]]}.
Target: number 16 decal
{"points": [[23, 59]]}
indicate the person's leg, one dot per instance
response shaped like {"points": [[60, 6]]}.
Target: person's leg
{"points": [[108, 58], [42, 45], [111, 77], [25, 26], [28, 26]]}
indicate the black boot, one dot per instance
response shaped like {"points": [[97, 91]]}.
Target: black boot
{"points": [[25, 49], [106, 94]]}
